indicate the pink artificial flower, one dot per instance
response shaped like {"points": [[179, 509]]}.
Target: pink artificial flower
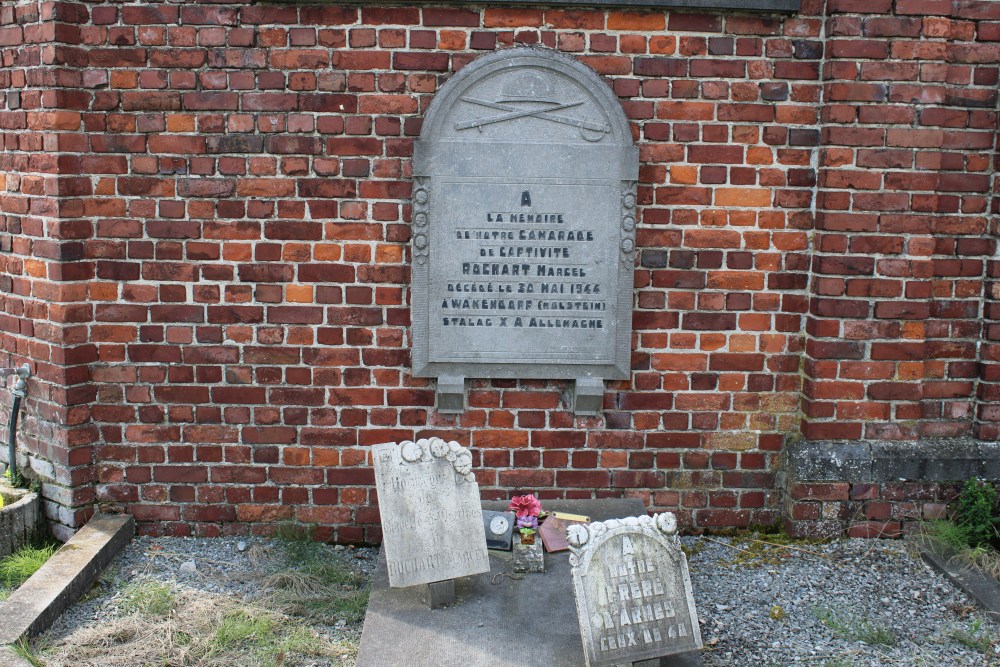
{"points": [[524, 506]]}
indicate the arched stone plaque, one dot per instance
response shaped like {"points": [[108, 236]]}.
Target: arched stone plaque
{"points": [[524, 216], [633, 592]]}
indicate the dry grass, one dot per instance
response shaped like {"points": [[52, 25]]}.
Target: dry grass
{"points": [[946, 539], [201, 630]]}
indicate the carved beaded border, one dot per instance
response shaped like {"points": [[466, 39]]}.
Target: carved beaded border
{"points": [[421, 213], [425, 450], [627, 244], [579, 535]]}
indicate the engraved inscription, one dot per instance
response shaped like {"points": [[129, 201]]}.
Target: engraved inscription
{"points": [[431, 518], [527, 260], [523, 223], [633, 593], [635, 603]]}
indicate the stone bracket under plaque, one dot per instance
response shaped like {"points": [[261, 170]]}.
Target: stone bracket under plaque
{"points": [[451, 394], [440, 593], [588, 397]]}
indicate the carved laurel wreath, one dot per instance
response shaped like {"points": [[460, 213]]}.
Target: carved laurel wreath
{"points": [[428, 449], [580, 535]]}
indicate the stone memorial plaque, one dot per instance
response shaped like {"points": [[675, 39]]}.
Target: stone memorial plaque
{"points": [[432, 520], [499, 527], [633, 592], [524, 216]]}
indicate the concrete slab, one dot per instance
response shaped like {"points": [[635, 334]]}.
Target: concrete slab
{"points": [[66, 576], [499, 619], [978, 585]]}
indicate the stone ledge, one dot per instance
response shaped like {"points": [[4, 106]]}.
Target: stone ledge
{"points": [[70, 572], [978, 585], [874, 461]]}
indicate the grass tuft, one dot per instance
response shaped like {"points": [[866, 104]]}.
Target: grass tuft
{"points": [[318, 584], [974, 637], [22, 647], [201, 629], [16, 568], [856, 629], [951, 540], [149, 598]]}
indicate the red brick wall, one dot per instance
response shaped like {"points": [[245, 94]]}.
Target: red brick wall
{"points": [[235, 179], [902, 226], [43, 289]]}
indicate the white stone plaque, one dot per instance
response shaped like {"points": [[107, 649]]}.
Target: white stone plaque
{"points": [[633, 592], [432, 520], [524, 221]]}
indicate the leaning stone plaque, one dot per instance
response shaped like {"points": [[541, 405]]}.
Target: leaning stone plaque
{"points": [[633, 592], [524, 216], [432, 521]]}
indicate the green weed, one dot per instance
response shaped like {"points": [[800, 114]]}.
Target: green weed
{"points": [[16, 568], [973, 637], [693, 550], [756, 549], [975, 511], [316, 583], [23, 648], [265, 636], [947, 533], [856, 629], [149, 598]]}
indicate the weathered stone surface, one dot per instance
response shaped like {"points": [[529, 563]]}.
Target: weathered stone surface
{"points": [[938, 460], [524, 215], [528, 557], [432, 522], [19, 519], [632, 588]]}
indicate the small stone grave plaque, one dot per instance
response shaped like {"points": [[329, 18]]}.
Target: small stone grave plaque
{"points": [[524, 222], [633, 592], [432, 520], [499, 527]]}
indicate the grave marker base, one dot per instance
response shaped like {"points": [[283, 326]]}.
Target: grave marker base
{"points": [[528, 622], [440, 593]]}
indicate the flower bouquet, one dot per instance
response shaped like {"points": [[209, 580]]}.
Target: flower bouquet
{"points": [[528, 511], [528, 556]]}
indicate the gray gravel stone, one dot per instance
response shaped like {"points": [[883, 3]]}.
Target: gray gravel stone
{"points": [[796, 607], [220, 567], [819, 607]]}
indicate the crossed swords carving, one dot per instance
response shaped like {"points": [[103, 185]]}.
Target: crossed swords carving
{"points": [[544, 113]]}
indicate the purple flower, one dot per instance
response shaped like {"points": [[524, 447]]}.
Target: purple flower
{"points": [[528, 522]]}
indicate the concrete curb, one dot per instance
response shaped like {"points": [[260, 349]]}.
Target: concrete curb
{"points": [[66, 576], [978, 585]]}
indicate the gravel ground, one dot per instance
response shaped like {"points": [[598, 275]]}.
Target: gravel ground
{"points": [[849, 602], [228, 567]]}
